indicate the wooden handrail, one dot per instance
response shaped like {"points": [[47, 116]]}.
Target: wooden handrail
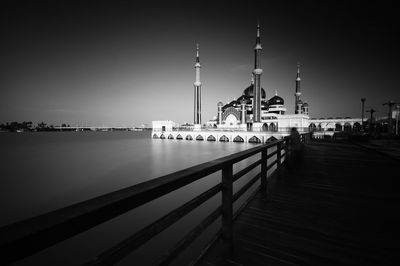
{"points": [[30, 236]]}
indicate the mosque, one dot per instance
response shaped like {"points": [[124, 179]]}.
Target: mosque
{"points": [[251, 118], [238, 114]]}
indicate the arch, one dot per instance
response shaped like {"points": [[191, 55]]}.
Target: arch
{"points": [[211, 138], [162, 136], [199, 137], [254, 139], [347, 127], [230, 111], [271, 139], [238, 139], [189, 137], [224, 138], [312, 127], [155, 136], [265, 127], [330, 126], [179, 136], [170, 136], [338, 127], [357, 127], [231, 120], [272, 127]]}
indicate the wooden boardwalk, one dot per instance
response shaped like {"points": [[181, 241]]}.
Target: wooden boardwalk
{"points": [[340, 206]]}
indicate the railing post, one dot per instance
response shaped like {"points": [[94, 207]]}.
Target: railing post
{"points": [[264, 155], [287, 151], [279, 154], [227, 208]]}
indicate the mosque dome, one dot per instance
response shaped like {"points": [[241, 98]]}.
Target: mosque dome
{"points": [[276, 100], [248, 92]]}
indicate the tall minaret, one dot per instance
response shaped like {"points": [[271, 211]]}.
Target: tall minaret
{"points": [[257, 79], [297, 110], [197, 90]]}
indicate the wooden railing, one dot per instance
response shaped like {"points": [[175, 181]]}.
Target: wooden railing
{"points": [[30, 236]]}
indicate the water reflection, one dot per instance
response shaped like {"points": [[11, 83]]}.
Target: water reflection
{"points": [[52, 170]]}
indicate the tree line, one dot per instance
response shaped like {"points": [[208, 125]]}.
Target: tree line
{"points": [[27, 126]]}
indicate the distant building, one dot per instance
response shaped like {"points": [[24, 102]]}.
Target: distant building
{"points": [[166, 125]]}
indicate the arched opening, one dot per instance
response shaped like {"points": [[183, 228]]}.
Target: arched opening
{"points": [[357, 127], [319, 128], [265, 127], [189, 137], [211, 138], [272, 127], [179, 137], [231, 120], [224, 138], [249, 126], [170, 136], [271, 139], [347, 127], [155, 136], [338, 127], [312, 127], [254, 139], [238, 139], [199, 137], [330, 126], [162, 136], [231, 117]]}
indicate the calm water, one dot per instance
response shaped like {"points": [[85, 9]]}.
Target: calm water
{"points": [[41, 172]]}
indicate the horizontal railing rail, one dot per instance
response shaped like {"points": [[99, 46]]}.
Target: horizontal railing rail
{"points": [[30, 236]]}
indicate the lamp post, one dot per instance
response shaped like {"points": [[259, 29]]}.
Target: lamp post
{"points": [[397, 118], [372, 111], [362, 114]]}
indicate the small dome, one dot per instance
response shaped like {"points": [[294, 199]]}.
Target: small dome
{"points": [[244, 98], [276, 100], [305, 104], [264, 105], [248, 92], [220, 104]]}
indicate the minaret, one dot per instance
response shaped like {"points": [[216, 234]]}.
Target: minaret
{"points": [[297, 109], [197, 90], [257, 79], [220, 105]]}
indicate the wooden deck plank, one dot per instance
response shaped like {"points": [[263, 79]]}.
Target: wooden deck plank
{"points": [[338, 207]]}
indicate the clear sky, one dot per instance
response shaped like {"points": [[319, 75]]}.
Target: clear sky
{"points": [[124, 63]]}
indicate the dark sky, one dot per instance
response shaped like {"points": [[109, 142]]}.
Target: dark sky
{"points": [[124, 63]]}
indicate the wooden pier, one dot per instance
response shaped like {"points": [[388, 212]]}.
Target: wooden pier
{"points": [[339, 206]]}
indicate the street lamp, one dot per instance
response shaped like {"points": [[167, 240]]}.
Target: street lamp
{"points": [[362, 114], [397, 118], [372, 111]]}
